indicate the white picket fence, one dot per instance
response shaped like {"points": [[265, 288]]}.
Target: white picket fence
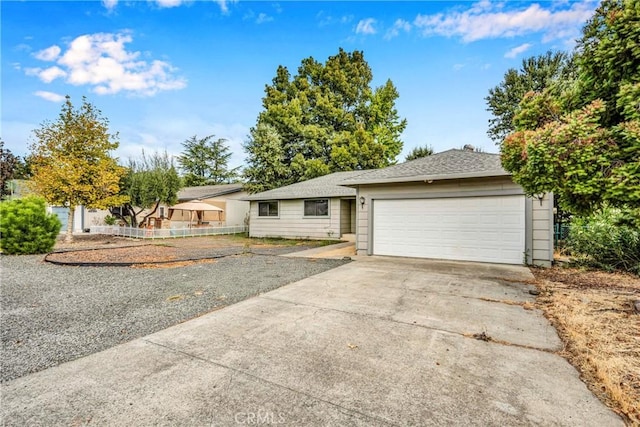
{"points": [[165, 233]]}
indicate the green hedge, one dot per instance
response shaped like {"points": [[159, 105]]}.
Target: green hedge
{"points": [[605, 241], [26, 227]]}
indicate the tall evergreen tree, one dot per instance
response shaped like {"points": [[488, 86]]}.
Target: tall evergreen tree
{"points": [[205, 162], [536, 74], [326, 118]]}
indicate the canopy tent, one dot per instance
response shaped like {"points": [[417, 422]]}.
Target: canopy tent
{"points": [[197, 206]]}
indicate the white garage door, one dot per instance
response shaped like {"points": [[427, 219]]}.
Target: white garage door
{"points": [[486, 229]]}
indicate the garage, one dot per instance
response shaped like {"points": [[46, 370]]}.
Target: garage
{"points": [[485, 229], [459, 204]]}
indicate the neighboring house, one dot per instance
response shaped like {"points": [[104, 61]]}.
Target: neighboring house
{"points": [[225, 196], [455, 205], [228, 197], [319, 208]]}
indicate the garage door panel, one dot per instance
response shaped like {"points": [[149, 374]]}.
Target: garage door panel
{"points": [[489, 229]]}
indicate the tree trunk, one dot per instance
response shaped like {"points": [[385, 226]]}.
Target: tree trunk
{"points": [[69, 236], [155, 208]]}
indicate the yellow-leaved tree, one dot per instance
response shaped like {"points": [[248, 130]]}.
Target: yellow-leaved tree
{"points": [[71, 161]]}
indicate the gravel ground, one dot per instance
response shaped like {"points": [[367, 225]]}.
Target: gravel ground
{"points": [[53, 314]]}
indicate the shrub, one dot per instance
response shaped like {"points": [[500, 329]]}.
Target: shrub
{"points": [[603, 240], [110, 220], [26, 227]]}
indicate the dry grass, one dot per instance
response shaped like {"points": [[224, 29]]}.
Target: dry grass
{"points": [[594, 314]]}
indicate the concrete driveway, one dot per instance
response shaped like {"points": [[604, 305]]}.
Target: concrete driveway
{"points": [[375, 342]]}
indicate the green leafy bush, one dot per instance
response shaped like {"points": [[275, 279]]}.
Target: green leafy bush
{"points": [[604, 240], [110, 220], [26, 227]]}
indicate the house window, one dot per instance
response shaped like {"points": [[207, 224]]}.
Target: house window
{"points": [[267, 208], [161, 213], [316, 207]]}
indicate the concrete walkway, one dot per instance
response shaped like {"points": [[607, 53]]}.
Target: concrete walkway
{"points": [[335, 251], [375, 342]]}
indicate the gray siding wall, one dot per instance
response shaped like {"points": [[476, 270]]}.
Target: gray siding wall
{"points": [[542, 230], [542, 220], [291, 222]]}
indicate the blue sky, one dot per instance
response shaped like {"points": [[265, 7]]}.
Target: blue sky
{"points": [[163, 71]]}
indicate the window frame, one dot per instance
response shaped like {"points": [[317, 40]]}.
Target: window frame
{"points": [[304, 208], [277, 204]]}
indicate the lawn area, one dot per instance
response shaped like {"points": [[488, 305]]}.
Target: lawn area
{"points": [[595, 315]]}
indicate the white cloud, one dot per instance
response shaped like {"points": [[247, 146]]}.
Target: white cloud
{"points": [[48, 54], [223, 4], [169, 3], [518, 50], [262, 18], [102, 62], [399, 25], [50, 74], [49, 96], [365, 26], [490, 20], [110, 4], [47, 75]]}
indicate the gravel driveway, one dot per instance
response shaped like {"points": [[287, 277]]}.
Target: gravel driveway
{"points": [[52, 314]]}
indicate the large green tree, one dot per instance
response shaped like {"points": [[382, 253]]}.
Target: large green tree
{"points": [[608, 55], [553, 69], [205, 161], [588, 155], [71, 162], [324, 119], [150, 181]]}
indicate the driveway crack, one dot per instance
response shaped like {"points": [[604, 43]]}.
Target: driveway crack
{"points": [[388, 318]]}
